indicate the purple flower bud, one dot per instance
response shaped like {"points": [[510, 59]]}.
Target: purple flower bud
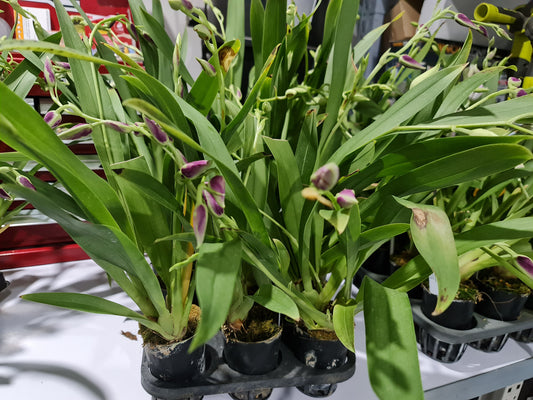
{"points": [[62, 64], [462, 19], [23, 181], [410, 62], [514, 82], [483, 31], [326, 177], [148, 38], [521, 93], [156, 130], [208, 68], [120, 127], [78, 131], [183, 5], [212, 203], [526, 264], [4, 195], [199, 222], [133, 31], [346, 198], [194, 169], [53, 119], [48, 72], [218, 185]]}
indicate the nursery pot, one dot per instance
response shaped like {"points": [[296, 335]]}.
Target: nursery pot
{"points": [[459, 315], [253, 358], [173, 362], [500, 304], [315, 353]]}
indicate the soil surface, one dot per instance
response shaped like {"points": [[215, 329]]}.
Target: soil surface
{"points": [[261, 324], [507, 284]]}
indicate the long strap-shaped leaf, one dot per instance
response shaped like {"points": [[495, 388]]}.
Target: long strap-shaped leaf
{"points": [[32, 137], [402, 110], [343, 41], [390, 343], [92, 304], [451, 170], [106, 245]]}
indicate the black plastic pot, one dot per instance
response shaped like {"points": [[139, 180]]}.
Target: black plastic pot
{"points": [[459, 315], [173, 362], [499, 304], [315, 353], [529, 302], [253, 358]]}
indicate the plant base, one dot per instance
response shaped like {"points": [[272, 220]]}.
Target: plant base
{"points": [[220, 378], [313, 352], [173, 362], [253, 358]]}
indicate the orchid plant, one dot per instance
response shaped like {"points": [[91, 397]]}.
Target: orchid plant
{"points": [[300, 176]]}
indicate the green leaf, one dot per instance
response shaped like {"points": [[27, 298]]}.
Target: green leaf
{"points": [[307, 147], [257, 15], [402, 110], [486, 235], [338, 218], [274, 27], [289, 183], [205, 89], [460, 92], [433, 238], [330, 29], [276, 300], [32, 137], [344, 325], [217, 270], [92, 304], [343, 42], [235, 31], [391, 344]]}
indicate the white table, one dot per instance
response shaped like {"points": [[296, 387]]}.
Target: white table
{"points": [[50, 353]]}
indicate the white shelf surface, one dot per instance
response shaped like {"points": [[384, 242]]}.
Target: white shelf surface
{"points": [[50, 353]]}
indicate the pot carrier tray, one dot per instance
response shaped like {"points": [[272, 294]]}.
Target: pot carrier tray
{"points": [[220, 378], [489, 335]]}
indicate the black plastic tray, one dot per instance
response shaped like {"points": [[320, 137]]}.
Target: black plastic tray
{"points": [[219, 378], [489, 335]]}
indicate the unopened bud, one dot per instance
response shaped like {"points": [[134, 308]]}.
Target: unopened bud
{"points": [[326, 177]]}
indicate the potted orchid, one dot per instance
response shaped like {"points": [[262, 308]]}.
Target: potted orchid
{"points": [[291, 183]]}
